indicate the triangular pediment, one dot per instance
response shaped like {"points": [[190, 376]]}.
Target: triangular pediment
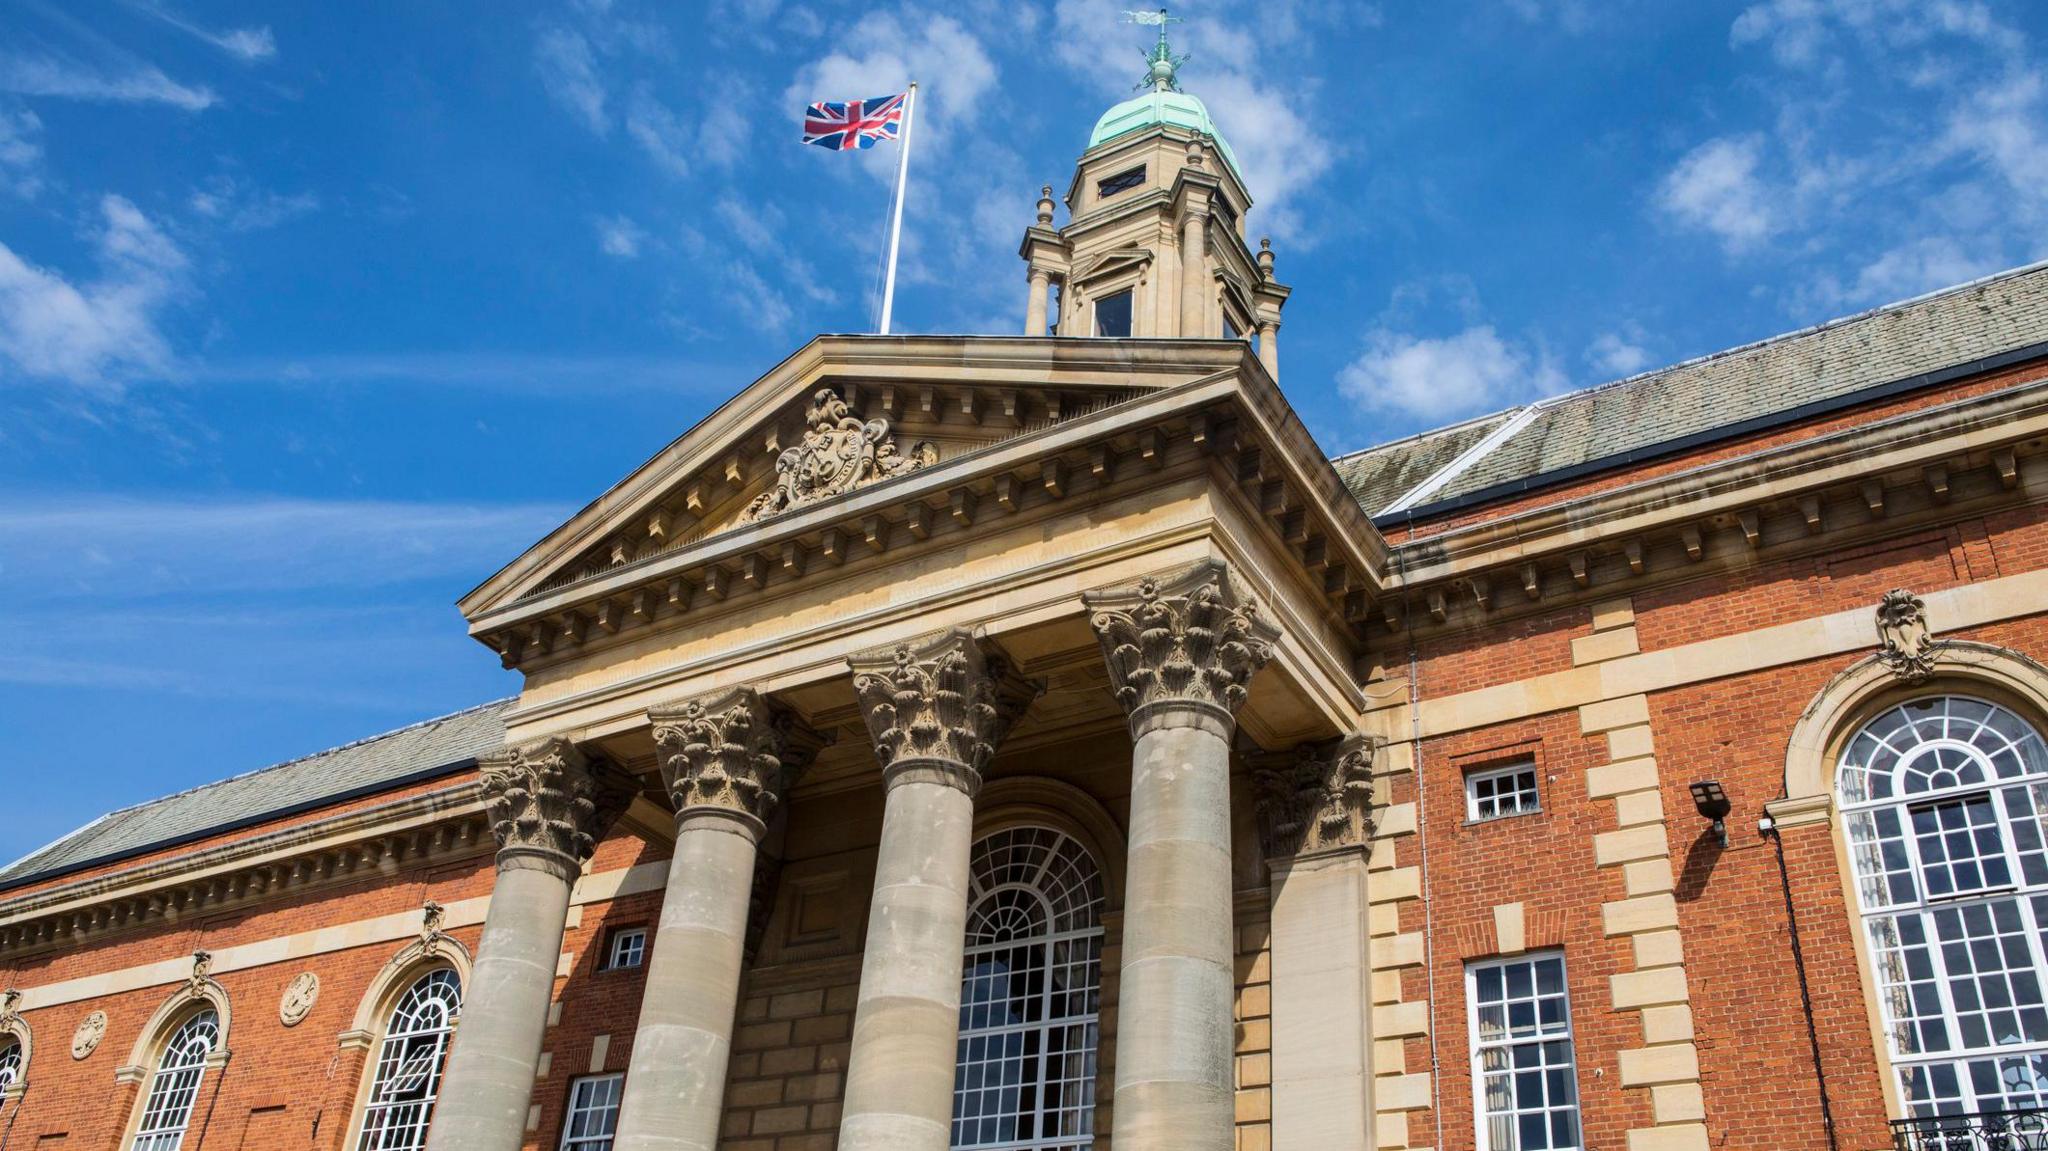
{"points": [[844, 414], [1110, 263]]}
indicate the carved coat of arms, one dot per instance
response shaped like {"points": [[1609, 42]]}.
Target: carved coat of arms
{"points": [[1904, 642], [86, 1039], [839, 453]]}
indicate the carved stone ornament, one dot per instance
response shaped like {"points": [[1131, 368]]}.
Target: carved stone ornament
{"points": [[548, 797], [734, 751], [1321, 801], [86, 1039], [1904, 643], [839, 452], [299, 996], [10, 1009], [202, 972], [431, 937], [1186, 639], [940, 701]]}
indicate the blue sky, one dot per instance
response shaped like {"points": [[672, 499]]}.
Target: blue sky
{"points": [[311, 316]]}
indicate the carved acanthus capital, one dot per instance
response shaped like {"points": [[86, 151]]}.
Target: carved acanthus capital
{"points": [[1321, 800], [1904, 642], [839, 452], [735, 751], [1186, 640], [940, 704], [549, 799]]}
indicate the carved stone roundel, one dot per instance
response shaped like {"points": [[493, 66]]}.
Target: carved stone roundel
{"points": [[299, 996], [86, 1039]]}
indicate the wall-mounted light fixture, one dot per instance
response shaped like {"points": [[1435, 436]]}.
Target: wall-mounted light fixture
{"points": [[1713, 804]]}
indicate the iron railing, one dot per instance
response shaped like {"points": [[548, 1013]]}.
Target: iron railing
{"points": [[2025, 1129]]}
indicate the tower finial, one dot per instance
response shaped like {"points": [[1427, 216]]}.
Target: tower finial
{"points": [[1161, 64]]}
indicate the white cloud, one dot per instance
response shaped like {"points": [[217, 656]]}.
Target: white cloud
{"points": [[96, 333], [245, 209], [660, 133], [248, 45], [1441, 379], [1614, 355], [44, 76], [21, 153], [569, 72], [1716, 187], [619, 236]]}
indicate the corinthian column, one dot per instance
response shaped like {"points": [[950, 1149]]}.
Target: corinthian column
{"points": [[936, 710], [1181, 650], [727, 761], [548, 805]]}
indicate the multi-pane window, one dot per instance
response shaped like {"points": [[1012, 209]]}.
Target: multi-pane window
{"points": [[629, 948], [1943, 801], [174, 1089], [1113, 315], [1029, 995], [10, 1067], [1121, 182], [409, 1064], [1500, 791], [593, 1113], [1522, 1070]]}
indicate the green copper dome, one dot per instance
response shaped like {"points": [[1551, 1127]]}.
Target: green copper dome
{"points": [[1161, 106]]}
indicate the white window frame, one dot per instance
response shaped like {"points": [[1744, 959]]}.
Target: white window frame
{"points": [[174, 1087], [581, 1104], [1482, 1137], [618, 943], [411, 1033], [1490, 774], [1884, 908]]}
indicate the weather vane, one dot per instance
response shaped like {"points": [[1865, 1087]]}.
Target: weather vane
{"points": [[1160, 62]]}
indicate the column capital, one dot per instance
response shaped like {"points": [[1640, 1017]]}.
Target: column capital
{"points": [[1319, 799], [1183, 641], [732, 753], [549, 802], [938, 706]]}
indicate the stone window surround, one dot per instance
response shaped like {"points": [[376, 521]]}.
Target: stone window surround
{"points": [[1855, 696], [373, 1011]]}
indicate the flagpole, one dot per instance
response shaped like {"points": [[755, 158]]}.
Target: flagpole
{"points": [[896, 224]]}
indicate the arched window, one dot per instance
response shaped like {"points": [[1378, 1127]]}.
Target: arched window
{"points": [[1030, 994], [174, 1089], [409, 1064], [1944, 801], [10, 1067]]}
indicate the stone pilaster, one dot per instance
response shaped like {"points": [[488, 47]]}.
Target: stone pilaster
{"points": [[1181, 650], [549, 804], [1315, 819], [936, 710], [726, 761]]}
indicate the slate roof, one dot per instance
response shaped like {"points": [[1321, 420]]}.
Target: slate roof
{"points": [[1968, 328], [434, 747]]}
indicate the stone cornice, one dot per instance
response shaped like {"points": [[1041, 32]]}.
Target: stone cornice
{"points": [[1879, 477], [445, 824]]}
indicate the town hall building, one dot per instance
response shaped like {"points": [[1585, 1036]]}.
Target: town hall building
{"points": [[1036, 743]]}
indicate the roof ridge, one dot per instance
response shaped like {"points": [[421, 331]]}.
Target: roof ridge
{"points": [[1428, 432], [283, 763], [1798, 333]]}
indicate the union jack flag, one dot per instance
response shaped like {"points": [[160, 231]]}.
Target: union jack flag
{"points": [[844, 126]]}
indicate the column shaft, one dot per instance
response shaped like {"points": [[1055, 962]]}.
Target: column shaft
{"points": [[899, 1083], [548, 805], [1175, 1035], [1194, 276], [1035, 306], [1269, 348], [489, 1083], [675, 1089]]}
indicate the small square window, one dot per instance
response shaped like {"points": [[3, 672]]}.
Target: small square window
{"points": [[1113, 315], [593, 1115], [1501, 791], [628, 948]]}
